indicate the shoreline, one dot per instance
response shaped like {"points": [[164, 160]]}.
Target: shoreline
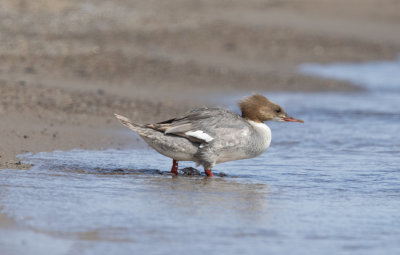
{"points": [[62, 80], [57, 130]]}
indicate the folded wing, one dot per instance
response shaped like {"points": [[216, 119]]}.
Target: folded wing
{"points": [[204, 125]]}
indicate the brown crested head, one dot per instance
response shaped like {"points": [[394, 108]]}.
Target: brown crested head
{"points": [[258, 108]]}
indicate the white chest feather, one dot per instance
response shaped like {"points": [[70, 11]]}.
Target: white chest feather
{"points": [[256, 142], [264, 133]]}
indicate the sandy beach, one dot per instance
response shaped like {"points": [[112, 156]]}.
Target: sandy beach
{"points": [[67, 66]]}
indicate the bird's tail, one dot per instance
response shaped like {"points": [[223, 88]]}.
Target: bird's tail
{"points": [[128, 123]]}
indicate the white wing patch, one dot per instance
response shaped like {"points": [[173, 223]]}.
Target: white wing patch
{"points": [[200, 135]]}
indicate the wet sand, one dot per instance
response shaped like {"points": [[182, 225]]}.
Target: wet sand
{"points": [[66, 66]]}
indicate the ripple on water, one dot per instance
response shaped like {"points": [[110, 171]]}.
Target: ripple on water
{"points": [[331, 184]]}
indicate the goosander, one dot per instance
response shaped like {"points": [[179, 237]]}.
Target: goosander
{"points": [[209, 136]]}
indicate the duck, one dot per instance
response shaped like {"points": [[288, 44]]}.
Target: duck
{"points": [[213, 135]]}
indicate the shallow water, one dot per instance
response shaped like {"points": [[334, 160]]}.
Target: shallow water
{"points": [[328, 186], [375, 75]]}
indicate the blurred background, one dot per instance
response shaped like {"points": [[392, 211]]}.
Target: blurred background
{"points": [[330, 185], [66, 65]]}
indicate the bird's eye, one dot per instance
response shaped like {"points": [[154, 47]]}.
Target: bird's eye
{"points": [[278, 110]]}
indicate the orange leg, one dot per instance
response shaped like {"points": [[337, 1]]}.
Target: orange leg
{"points": [[209, 172], [174, 168]]}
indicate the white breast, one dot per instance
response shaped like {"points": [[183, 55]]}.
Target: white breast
{"points": [[255, 142], [264, 133]]}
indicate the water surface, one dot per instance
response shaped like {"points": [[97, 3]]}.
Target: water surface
{"points": [[328, 186]]}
